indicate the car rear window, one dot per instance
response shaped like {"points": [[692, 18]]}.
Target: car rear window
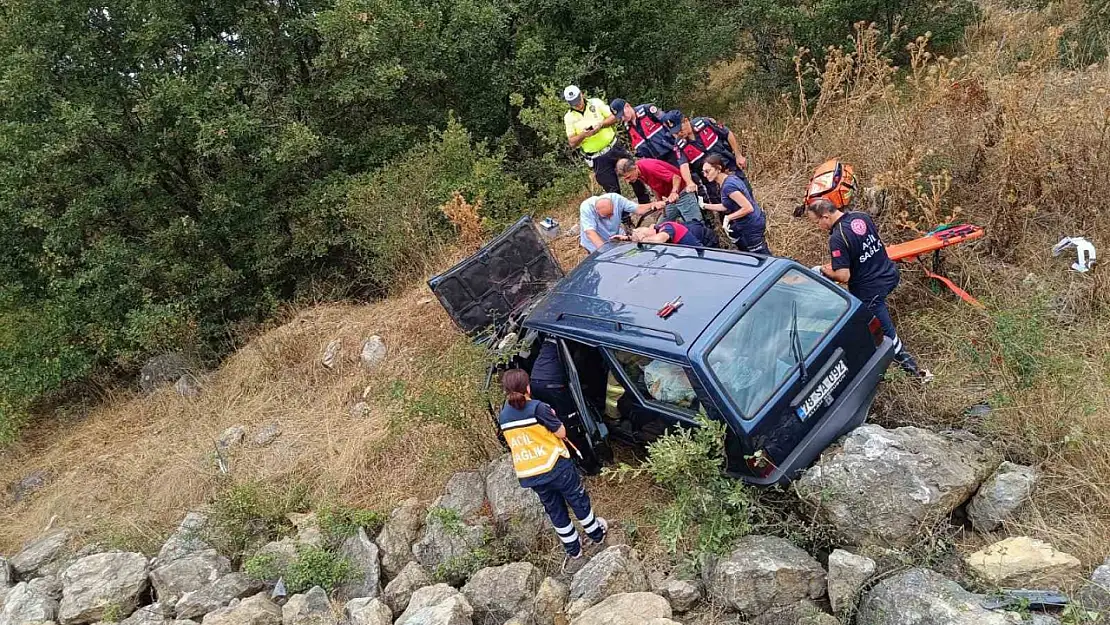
{"points": [[756, 356]]}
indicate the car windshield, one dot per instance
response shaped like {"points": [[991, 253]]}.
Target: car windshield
{"points": [[757, 354]]}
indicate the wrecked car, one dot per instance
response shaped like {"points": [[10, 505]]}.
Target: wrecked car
{"points": [[786, 359]]}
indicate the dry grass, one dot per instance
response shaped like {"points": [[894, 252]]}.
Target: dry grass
{"points": [[1003, 137]]}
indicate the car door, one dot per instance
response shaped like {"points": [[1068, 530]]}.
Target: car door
{"points": [[592, 441], [499, 280]]}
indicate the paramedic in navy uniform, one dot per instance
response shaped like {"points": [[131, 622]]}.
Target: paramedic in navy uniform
{"points": [[542, 462], [859, 257]]}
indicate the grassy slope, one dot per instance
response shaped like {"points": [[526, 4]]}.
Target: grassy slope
{"points": [[1022, 142]]}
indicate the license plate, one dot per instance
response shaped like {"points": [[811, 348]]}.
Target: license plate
{"points": [[822, 395]]}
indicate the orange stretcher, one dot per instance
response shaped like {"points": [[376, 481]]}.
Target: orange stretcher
{"points": [[932, 243]]}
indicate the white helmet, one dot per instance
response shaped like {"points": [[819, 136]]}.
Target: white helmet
{"points": [[572, 94]]}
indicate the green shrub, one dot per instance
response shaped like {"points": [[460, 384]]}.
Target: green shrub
{"points": [[317, 567], [1019, 332], [263, 567], [449, 519], [253, 512], [338, 521], [708, 511], [1089, 41], [313, 566]]}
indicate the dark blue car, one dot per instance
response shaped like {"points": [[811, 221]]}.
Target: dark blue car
{"points": [[786, 359]]}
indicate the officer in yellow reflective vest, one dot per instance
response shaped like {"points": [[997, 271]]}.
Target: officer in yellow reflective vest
{"points": [[589, 125], [536, 438]]}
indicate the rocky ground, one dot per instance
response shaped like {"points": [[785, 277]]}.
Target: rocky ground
{"points": [[880, 490]]}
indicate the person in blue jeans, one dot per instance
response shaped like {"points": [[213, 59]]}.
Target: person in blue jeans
{"points": [[537, 440], [744, 221]]}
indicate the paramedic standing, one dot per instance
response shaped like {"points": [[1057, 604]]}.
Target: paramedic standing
{"points": [[744, 221], [859, 257], [536, 438], [589, 125]]}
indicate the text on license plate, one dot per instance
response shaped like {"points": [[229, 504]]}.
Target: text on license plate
{"points": [[822, 395]]}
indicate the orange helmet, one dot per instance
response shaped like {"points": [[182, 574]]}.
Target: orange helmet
{"points": [[833, 181]]}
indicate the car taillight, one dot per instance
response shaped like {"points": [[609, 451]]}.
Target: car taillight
{"points": [[760, 463], [876, 331]]}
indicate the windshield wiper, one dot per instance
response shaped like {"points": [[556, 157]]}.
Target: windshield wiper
{"points": [[796, 344]]}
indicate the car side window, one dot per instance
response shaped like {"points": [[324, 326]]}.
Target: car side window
{"points": [[659, 381]]}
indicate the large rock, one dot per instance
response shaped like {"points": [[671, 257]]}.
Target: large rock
{"points": [[28, 485], [498, 593], [448, 544], [848, 573], [398, 534], [1095, 594], [1001, 496], [437, 605], [100, 583], [763, 572], [923, 597], [164, 369], [188, 574], [28, 603], [187, 540], [368, 611], [363, 556], [7, 575], [154, 614], [802, 613], [398, 592], [517, 511], [879, 487], [683, 594], [43, 556], [465, 492], [310, 608], [551, 598], [373, 352], [217, 595], [617, 570], [256, 610], [633, 608], [1023, 562]]}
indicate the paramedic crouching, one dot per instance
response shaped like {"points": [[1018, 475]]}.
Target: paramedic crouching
{"points": [[600, 217], [542, 462]]}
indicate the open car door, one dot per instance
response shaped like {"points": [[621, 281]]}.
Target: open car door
{"points": [[592, 437], [500, 279]]}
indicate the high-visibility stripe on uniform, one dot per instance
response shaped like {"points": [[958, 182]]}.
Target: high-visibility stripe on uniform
{"points": [[535, 449]]}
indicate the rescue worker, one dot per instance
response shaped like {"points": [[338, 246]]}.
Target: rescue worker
{"points": [[537, 439], [858, 255], [697, 138], [589, 126], [695, 234], [665, 180], [600, 217], [648, 133], [744, 221]]}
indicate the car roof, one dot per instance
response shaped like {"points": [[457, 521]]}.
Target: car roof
{"points": [[614, 295]]}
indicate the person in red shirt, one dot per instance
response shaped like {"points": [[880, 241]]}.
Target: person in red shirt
{"points": [[666, 181]]}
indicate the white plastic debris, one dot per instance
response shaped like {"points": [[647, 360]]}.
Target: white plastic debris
{"points": [[1084, 248]]}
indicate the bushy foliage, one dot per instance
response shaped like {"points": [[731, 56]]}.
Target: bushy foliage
{"points": [[172, 174], [313, 566], [339, 521], [250, 513], [708, 511]]}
